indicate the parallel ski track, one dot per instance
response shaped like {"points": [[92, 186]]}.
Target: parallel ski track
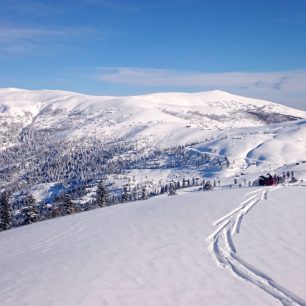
{"points": [[222, 248]]}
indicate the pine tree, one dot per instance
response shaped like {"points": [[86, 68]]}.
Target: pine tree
{"points": [[30, 210], [172, 190], [102, 195], [162, 189], [68, 207], [144, 193], [125, 196], [5, 222], [134, 194]]}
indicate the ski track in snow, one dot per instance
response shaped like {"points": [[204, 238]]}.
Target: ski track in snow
{"points": [[223, 250]]}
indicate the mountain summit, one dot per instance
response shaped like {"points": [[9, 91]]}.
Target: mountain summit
{"points": [[157, 116]]}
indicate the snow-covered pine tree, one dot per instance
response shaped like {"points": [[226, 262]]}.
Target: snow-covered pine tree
{"points": [[125, 195], [227, 162], [134, 194], [5, 217], [102, 195], [172, 190], [30, 210], [162, 189], [68, 207], [144, 193]]}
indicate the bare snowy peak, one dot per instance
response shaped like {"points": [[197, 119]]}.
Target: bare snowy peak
{"points": [[20, 98], [163, 117]]}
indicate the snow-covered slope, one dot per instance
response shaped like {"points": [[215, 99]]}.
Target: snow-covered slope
{"points": [[81, 137], [162, 251], [156, 252], [259, 149], [182, 117]]}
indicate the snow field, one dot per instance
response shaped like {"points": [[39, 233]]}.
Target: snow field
{"points": [[273, 239], [223, 249], [144, 253]]}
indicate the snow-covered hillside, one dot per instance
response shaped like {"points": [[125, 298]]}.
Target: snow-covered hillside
{"points": [[52, 142], [164, 118], [60, 151], [156, 252]]}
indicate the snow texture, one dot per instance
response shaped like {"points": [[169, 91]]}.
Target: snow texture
{"points": [[155, 252], [165, 250]]}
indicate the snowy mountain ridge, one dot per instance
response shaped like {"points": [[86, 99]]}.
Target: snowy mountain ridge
{"points": [[55, 142], [156, 116]]}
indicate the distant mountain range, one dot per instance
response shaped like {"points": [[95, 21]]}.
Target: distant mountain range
{"points": [[55, 142], [161, 118]]}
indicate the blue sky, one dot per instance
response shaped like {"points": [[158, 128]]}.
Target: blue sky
{"points": [[255, 48]]}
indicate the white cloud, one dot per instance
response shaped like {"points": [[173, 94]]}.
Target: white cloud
{"points": [[19, 39], [283, 86], [162, 77]]}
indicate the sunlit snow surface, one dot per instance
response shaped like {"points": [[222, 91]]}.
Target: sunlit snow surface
{"points": [[181, 250], [156, 252], [164, 118]]}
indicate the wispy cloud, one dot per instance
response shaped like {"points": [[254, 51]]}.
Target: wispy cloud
{"points": [[112, 4], [38, 10], [25, 7], [283, 86], [19, 39], [294, 80]]}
